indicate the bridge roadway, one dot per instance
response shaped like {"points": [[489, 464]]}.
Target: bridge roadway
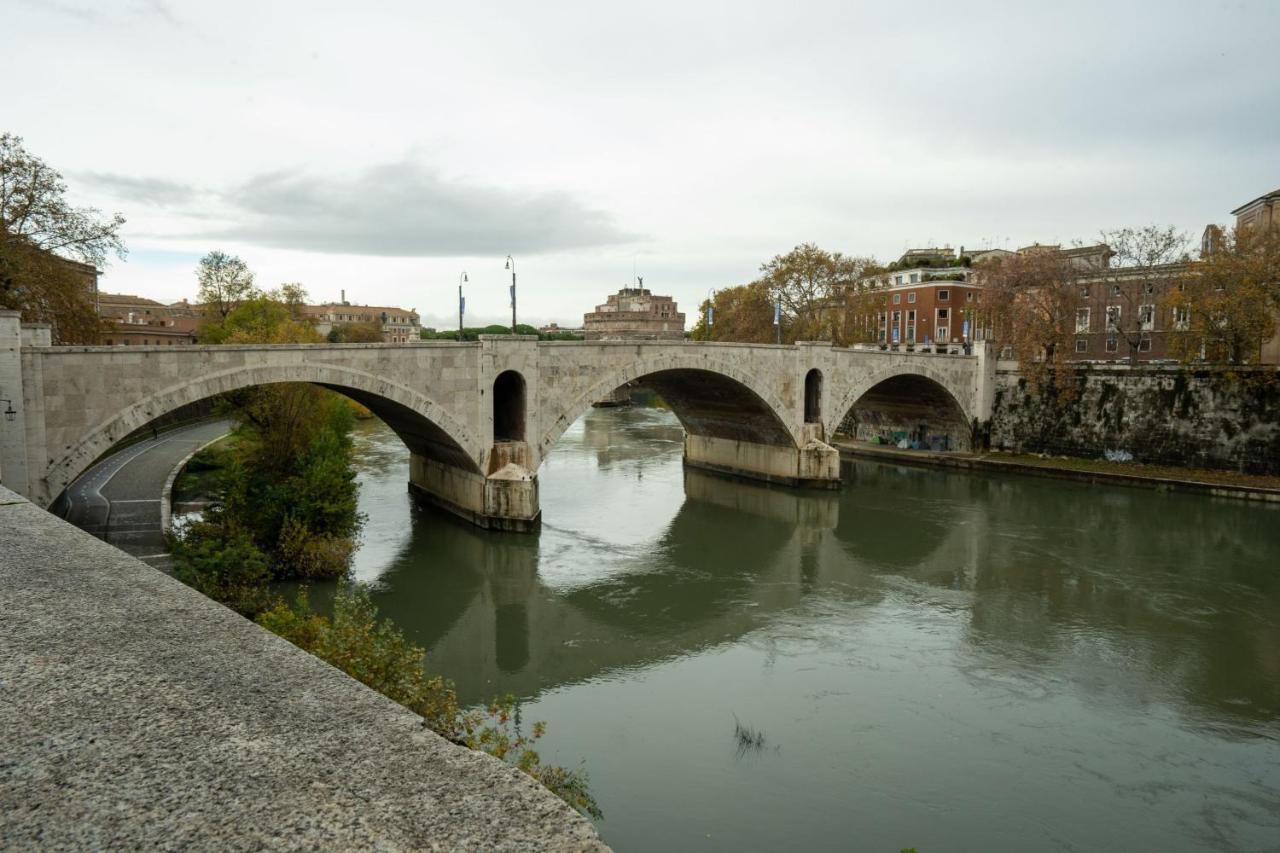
{"points": [[478, 418], [138, 714]]}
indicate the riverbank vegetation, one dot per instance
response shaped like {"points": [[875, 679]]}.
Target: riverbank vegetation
{"points": [[473, 333], [284, 507]]}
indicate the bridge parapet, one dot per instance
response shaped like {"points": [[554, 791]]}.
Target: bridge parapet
{"points": [[478, 417]]}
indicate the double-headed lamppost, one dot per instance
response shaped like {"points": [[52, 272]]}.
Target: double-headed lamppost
{"points": [[462, 303], [511, 265]]}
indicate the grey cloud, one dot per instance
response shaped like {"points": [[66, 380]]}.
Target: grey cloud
{"points": [[403, 209], [153, 191]]}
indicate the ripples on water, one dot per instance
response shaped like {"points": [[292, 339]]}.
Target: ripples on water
{"points": [[950, 661]]}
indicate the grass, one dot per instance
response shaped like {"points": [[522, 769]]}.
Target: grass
{"points": [[749, 738]]}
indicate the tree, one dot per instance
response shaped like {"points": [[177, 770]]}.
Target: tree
{"points": [[357, 333], [224, 282], [43, 243], [1223, 306], [1029, 301], [742, 313], [810, 284], [1150, 258]]}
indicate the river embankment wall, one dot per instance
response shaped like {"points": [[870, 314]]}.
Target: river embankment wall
{"points": [[139, 714], [1204, 417]]}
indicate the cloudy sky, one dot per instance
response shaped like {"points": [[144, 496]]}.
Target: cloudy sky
{"points": [[384, 147]]}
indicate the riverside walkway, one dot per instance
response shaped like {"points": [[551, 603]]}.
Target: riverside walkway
{"points": [[139, 714]]}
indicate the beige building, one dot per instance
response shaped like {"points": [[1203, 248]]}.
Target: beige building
{"points": [[399, 325], [137, 321], [634, 313]]}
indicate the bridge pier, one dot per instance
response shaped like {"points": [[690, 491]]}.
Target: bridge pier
{"points": [[506, 499], [816, 465]]}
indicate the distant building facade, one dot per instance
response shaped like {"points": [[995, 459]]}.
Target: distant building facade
{"points": [[634, 313], [399, 325], [137, 321], [928, 297]]}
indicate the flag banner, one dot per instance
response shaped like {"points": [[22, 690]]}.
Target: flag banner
{"points": [[895, 334], [513, 296], [965, 333], [462, 304], [710, 315], [777, 313]]}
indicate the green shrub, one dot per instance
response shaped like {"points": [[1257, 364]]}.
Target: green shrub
{"points": [[375, 652]]}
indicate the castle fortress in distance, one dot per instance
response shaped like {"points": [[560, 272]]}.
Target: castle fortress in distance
{"points": [[634, 313]]}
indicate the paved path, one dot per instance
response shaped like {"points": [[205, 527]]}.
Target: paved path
{"points": [[118, 499]]}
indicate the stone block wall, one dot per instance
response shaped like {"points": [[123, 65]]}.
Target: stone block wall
{"points": [[1173, 415]]}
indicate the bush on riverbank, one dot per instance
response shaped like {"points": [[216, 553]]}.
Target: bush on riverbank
{"points": [[285, 498], [375, 652]]}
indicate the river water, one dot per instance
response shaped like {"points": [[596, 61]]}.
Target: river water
{"points": [[943, 660]]}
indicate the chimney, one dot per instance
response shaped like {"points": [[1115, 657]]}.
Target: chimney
{"points": [[344, 296]]}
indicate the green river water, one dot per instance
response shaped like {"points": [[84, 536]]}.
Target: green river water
{"points": [[949, 661]]}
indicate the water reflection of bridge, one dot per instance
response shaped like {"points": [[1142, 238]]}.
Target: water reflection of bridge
{"points": [[736, 556]]}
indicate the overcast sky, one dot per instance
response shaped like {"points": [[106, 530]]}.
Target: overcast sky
{"points": [[384, 147]]}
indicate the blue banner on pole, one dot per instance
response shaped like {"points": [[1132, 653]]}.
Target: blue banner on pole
{"points": [[777, 313], [462, 304], [895, 334], [965, 333], [710, 315], [513, 296]]}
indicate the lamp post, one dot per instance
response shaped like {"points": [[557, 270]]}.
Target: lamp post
{"points": [[511, 265], [462, 303]]}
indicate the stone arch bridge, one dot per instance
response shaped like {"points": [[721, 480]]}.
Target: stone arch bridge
{"points": [[477, 417]]}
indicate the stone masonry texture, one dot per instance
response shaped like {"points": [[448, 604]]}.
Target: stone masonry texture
{"points": [[1207, 417], [137, 714]]}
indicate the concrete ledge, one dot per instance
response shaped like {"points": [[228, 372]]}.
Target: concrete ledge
{"points": [[929, 459], [479, 519], [139, 714]]}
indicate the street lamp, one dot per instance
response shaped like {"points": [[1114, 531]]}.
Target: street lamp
{"points": [[462, 303], [511, 265], [9, 412]]}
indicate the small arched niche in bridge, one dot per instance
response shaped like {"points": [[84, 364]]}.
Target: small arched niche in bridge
{"points": [[509, 407], [813, 396], [909, 407]]}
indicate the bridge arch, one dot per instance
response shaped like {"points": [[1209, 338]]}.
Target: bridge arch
{"points": [[422, 423], [709, 396], [933, 392]]}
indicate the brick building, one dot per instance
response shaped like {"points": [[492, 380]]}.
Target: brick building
{"points": [[137, 321], [634, 312], [928, 297]]}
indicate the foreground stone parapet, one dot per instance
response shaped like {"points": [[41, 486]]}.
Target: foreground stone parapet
{"points": [[137, 713]]}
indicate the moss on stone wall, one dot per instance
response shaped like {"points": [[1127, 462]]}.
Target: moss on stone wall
{"points": [[1212, 418]]}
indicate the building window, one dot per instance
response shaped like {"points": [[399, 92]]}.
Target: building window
{"points": [[943, 315], [1181, 318], [944, 295], [1115, 290], [968, 297], [944, 334], [1113, 317], [1084, 292], [897, 279], [1144, 345], [1149, 288], [911, 297], [1112, 345], [915, 278], [1006, 353], [1082, 319], [1147, 317], [897, 299], [1082, 345]]}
